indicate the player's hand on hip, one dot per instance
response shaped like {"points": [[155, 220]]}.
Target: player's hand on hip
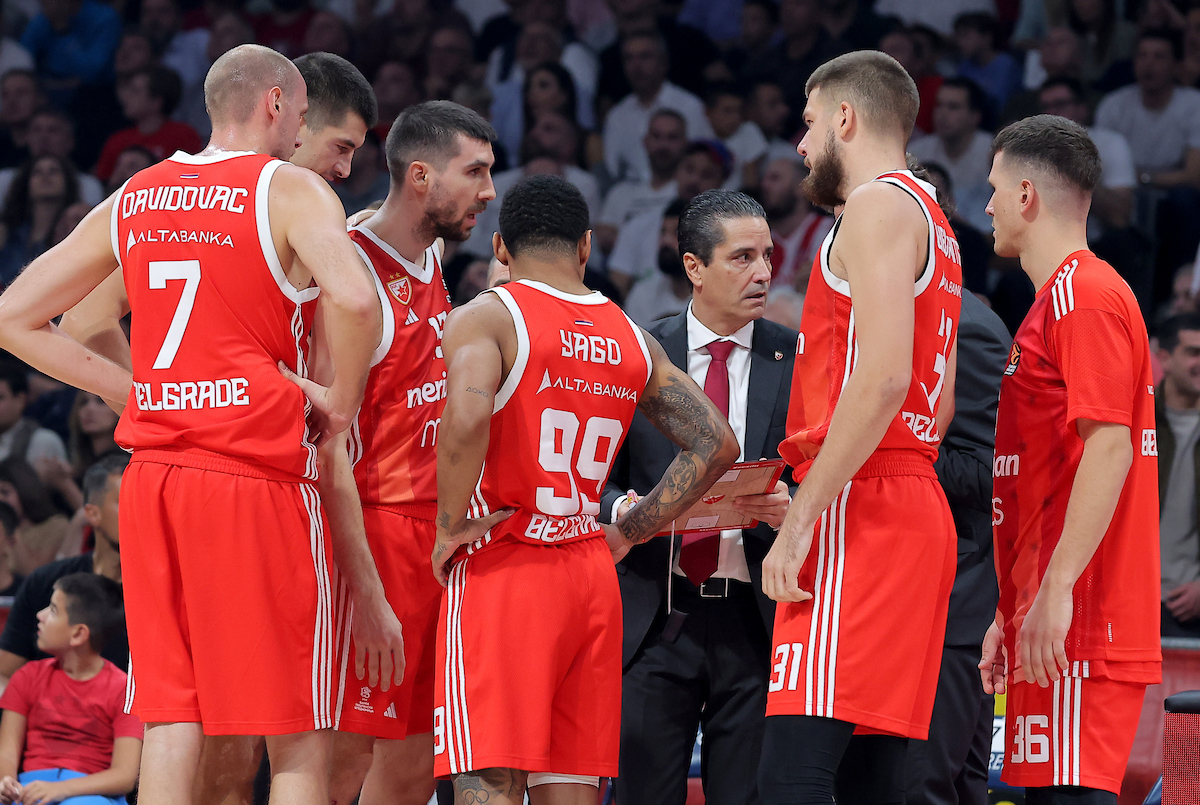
{"points": [[782, 565], [325, 419], [10, 791], [1041, 641], [617, 544], [467, 531], [770, 507], [993, 665], [378, 642]]}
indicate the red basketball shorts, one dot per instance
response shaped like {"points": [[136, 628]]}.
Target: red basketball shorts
{"points": [[401, 546], [867, 647], [227, 600], [529, 661], [1078, 731]]}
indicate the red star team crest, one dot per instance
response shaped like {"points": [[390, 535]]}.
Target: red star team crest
{"points": [[401, 288]]}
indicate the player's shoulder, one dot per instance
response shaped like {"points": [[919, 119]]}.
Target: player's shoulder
{"points": [[1085, 282], [882, 203]]}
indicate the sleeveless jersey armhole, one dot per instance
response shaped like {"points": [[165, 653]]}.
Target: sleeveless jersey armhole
{"points": [[637, 333], [389, 318], [926, 277], [112, 225], [509, 386], [262, 219]]}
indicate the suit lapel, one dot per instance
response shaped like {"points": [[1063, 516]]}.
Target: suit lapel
{"points": [[766, 374]]}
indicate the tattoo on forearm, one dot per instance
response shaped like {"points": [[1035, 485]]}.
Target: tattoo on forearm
{"points": [[480, 392]]}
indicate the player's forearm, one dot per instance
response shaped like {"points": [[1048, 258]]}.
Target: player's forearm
{"points": [[112, 782], [354, 325], [462, 448], [96, 321], [685, 482], [339, 495], [51, 352], [1107, 457]]}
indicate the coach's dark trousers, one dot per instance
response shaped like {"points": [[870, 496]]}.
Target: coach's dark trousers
{"points": [[951, 768], [714, 675]]}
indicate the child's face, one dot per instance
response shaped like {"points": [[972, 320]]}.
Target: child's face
{"points": [[54, 627]]}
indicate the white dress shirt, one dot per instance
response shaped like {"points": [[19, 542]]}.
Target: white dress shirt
{"points": [[625, 128]]}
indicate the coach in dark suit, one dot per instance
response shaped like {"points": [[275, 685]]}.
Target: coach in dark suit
{"points": [[951, 768], [697, 626]]}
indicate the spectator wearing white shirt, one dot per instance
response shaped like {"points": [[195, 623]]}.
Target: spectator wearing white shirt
{"points": [[546, 86], [665, 141], [644, 57], [725, 109], [959, 144], [185, 52], [667, 291], [767, 108]]}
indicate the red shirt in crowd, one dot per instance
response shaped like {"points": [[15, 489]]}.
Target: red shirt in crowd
{"points": [[172, 136], [70, 724]]}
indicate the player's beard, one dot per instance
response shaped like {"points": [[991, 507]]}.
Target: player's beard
{"points": [[823, 185], [443, 221]]}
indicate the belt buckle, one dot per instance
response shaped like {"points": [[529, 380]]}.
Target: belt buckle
{"points": [[704, 587]]}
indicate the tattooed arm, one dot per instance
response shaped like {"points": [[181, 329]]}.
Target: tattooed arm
{"points": [[475, 341], [683, 413]]}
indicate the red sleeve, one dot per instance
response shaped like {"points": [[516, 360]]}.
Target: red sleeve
{"points": [[1095, 355], [124, 725], [17, 696]]}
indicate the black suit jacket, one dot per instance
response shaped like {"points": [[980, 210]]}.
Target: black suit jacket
{"points": [[646, 454], [964, 466]]}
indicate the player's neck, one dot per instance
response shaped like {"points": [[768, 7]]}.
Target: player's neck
{"points": [[81, 664], [398, 225], [238, 138], [875, 158], [560, 275], [1046, 250]]}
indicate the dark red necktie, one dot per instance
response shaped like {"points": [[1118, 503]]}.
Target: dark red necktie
{"points": [[699, 553]]}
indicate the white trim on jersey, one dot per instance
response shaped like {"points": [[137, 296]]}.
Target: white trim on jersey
{"points": [[262, 218], [1062, 293], [458, 723], [637, 333], [344, 611], [509, 387], [323, 659], [185, 158], [835, 283], [931, 261], [310, 464], [112, 225], [422, 274], [389, 316], [593, 298], [820, 672], [851, 351]]}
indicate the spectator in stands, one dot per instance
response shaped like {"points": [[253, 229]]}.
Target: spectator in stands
{"points": [[184, 51], [806, 46], [52, 134], [40, 191], [449, 60], [93, 431], [541, 40], [785, 307], [645, 59], [1060, 55], [767, 109], [10, 580], [70, 218], [760, 24], [977, 36], [706, 165], [725, 108], [43, 529], [1189, 69], [936, 16], [855, 23], [13, 57], [1107, 37], [148, 97], [961, 146], [665, 142], [64, 717], [797, 228], [1177, 419], [918, 58], [547, 87], [20, 97], [73, 42], [327, 33], [97, 112], [973, 246], [668, 290], [396, 89], [128, 162], [20, 436], [229, 29], [368, 181], [283, 27], [719, 20], [102, 491]]}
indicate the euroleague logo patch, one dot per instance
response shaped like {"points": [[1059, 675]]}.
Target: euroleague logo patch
{"points": [[401, 289], [1014, 357]]}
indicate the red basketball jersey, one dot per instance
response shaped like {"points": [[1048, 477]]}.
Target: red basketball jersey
{"points": [[1081, 352], [213, 315], [393, 441], [560, 415], [828, 349]]}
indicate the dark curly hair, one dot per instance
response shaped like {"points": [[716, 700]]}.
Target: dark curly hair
{"points": [[543, 213]]}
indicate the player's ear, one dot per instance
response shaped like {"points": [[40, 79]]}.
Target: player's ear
{"points": [[692, 267], [92, 513], [500, 249], [418, 174], [584, 247]]}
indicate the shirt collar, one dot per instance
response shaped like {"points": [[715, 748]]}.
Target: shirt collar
{"points": [[700, 336]]}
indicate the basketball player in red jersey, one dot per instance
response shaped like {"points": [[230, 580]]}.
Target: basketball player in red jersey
{"points": [[226, 558], [864, 560], [440, 155], [1075, 506], [543, 380], [341, 109]]}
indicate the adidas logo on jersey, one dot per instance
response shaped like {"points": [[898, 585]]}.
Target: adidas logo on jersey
{"points": [[390, 712]]}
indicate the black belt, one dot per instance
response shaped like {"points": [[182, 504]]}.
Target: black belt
{"points": [[713, 588]]}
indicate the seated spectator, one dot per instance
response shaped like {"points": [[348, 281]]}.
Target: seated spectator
{"points": [[997, 73], [665, 142], [918, 58], [547, 87], [540, 41], [93, 427], [719, 20], [184, 51], [1177, 419], [52, 134], [13, 57], [73, 42], [806, 46], [768, 110], [20, 436], [962, 147], [282, 28], [20, 97], [1107, 37], [327, 33], [229, 29], [396, 89], [937, 16], [42, 530], [855, 23], [368, 181], [797, 228], [1189, 68], [128, 162], [10, 580], [1060, 55], [449, 60], [64, 717], [148, 98], [645, 60], [97, 112], [706, 165], [668, 290], [725, 110], [102, 491], [71, 217], [974, 247], [39, 193], [759, 28]]}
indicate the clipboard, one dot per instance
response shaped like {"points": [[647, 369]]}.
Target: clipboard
{"points": [[715, 512]]}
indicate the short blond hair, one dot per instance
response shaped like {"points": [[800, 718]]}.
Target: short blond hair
{"points": [[237, 80], [875, 84]]}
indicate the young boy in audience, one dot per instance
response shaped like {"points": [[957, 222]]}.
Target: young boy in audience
{"points": [[63, 719]]}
